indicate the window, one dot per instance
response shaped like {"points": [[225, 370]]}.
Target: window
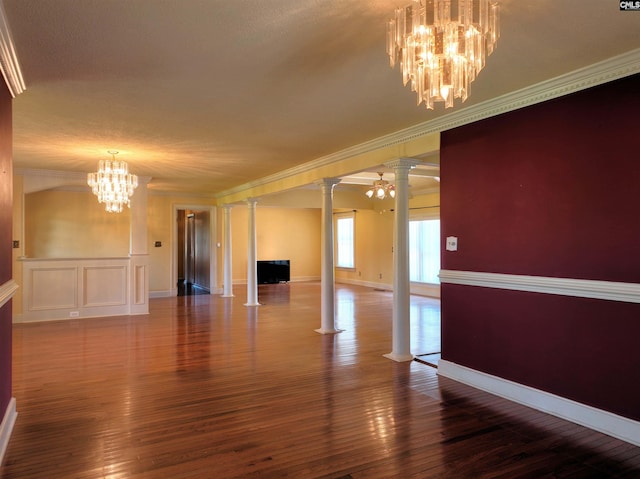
{"points": [[344, 240], [424, 251]]}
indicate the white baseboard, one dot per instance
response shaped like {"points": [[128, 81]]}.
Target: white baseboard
{"points": [[293, 279], [6, 428], [161, 294], [304, 279], [418, 289], [608, 423], [367, 284]]}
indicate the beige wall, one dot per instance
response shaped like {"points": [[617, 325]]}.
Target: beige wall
{"points": [[18, 235], [72, 224], [374, 241], [281, 233], [161, 226], [373, 249]]}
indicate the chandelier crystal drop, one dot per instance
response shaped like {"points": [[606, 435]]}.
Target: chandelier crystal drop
{"points": [[112, 184], [381, 189], [442, 45]]}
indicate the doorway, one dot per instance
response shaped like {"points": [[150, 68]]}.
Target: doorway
{"points": [[193, 252]]}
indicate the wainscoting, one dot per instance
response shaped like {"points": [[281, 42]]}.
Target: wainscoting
{"points": [[57, 289]]}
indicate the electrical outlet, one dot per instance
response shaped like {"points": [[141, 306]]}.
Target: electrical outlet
{"points": [[16, 244], [74, 314]]}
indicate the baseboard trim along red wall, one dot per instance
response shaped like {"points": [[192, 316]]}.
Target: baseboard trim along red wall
{"points": [[605, 422]]}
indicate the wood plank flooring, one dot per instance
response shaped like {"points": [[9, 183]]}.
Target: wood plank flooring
{"points": [[204, 387]]}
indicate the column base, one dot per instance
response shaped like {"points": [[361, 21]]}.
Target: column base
{"points": [[400, 358], [252, 304], [228, 296], [328, 331]]}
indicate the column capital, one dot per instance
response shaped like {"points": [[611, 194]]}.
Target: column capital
{"points": [[251, 201], [228, 206], [402, 163], [327, 181]]}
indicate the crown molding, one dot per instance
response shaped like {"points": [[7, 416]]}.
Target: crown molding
{"points": [[608, 70], [8, 59]]}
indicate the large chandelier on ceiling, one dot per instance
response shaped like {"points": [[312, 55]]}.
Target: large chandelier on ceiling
{"points": [[381, 189], [442, 45], [112, 183]]}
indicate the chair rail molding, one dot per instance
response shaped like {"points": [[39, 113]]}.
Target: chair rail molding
{"points": [[580, 288], [7, 290]]}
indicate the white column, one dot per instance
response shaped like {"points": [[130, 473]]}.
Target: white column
{"points": [[401, 285], [327, 288], [228, 276], [252, 256], [138, 250]]}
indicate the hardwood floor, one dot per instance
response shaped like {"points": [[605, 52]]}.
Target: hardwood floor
{"points": [[204, 387]]}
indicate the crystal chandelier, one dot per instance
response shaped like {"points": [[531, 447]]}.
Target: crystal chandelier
{"points": [[442, 45], [112, 183], [381, 188]]}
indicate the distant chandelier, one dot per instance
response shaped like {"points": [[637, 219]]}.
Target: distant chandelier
{"points": [[442, 45], [112, 183], [381, 188]]}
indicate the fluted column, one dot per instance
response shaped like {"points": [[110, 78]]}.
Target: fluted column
{"points": [[228, 257], [327, 288], [252, 266], [401, 285]]}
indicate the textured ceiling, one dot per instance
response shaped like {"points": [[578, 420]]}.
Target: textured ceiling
{"points": [[205, 95]]}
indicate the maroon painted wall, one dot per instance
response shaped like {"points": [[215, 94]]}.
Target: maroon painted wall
{"points": [[6, 227], [549, 190]]}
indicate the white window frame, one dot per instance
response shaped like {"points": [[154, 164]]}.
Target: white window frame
{"points": [[339, 252]]}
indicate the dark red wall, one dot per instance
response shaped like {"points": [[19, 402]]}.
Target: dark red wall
{"points": [[548, 190], [6, 203]]}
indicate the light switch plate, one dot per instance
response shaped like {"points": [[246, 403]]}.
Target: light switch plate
{"points": [[452, 243]]}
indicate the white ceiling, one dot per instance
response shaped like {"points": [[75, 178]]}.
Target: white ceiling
{"points": [[206, 95]]}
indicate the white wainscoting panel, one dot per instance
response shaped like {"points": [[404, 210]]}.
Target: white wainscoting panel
{"points": [[66, 288], [50, 287], [104, 285]]}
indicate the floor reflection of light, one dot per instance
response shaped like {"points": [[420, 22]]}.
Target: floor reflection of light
{"points": [[347, 346], [425, 325], [381, 421]]}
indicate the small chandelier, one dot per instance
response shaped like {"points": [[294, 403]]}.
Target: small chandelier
{"points": [[112, 183], [380, 189], [442, 45]]}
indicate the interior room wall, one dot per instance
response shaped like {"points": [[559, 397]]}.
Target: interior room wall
{"points": [[547, 191], [72, 224], [160, 227], [373, 239], [6, 203], [281, 233], [18, 235], [374, 230]]}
